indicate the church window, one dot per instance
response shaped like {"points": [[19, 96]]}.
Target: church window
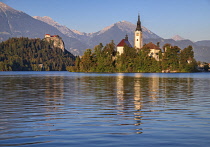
{"points": [[137, 40]]}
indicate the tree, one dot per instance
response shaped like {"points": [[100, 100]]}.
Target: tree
{"points": [[29, 54], [187, 61], [86, 61], [171, 57], [105, 59]]}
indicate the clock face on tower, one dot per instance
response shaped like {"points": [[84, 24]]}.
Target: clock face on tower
{"points": [[137, 34]]}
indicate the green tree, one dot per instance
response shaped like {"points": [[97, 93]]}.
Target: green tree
{"points": [[86, 61], [171, 57], [187, 61], [29, 54]]}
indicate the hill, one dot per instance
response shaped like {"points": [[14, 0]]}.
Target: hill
{"points": [[24, 54]]}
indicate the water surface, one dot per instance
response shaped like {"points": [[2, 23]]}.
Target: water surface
{"points": [[90, 109]]}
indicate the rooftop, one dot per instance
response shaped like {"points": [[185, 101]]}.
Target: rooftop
{"points": [[124, 42], [151, 46]]}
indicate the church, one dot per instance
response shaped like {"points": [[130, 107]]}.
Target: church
{"points": [[138, 42], [138, 39]]}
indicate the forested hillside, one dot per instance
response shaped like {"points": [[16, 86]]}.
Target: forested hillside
{"points": [[24, 54]]}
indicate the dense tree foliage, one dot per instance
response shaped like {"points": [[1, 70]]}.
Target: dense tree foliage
{"points": [[24, 54], [106, 59]]}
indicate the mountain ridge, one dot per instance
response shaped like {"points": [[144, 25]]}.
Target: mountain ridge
{"points": [[115, 32], [177, 38], [5, 7], [16, 23]]}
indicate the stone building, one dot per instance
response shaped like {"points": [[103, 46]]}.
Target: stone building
{"points": [[155, 51], [57, 41]]}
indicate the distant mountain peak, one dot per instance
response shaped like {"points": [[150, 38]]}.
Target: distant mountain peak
{"points": [[46, 19], [123, 22], [5, 7], [177, 38], [61, 28]]}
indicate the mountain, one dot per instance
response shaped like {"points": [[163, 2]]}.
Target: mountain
{"points": [[114, 32], [63, 29], [123, 26], [203, 43], [16, 23], [117, 32], [177, 38]]}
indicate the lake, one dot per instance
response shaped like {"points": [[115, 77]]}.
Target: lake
{"points": [[112, 109]]}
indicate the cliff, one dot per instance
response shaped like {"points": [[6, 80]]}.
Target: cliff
{"points": [[57, 41]]}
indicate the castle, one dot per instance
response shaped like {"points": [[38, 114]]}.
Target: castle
{"points": [[138, 42], [57, 41]]}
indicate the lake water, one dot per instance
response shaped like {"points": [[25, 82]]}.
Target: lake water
{"points": [[90, 109]]}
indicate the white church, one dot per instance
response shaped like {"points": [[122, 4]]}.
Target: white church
{"points": [[138, 42]]}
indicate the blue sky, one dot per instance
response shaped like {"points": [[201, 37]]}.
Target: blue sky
{"points": [[187, 18]]}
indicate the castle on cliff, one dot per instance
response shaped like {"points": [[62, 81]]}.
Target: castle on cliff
{"points": [[57, 41]]}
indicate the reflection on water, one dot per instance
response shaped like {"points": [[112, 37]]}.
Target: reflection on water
{"points": [[62, 109]]}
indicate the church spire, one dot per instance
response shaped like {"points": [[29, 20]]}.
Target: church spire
{"points": [[126, 37], [138, 27]]}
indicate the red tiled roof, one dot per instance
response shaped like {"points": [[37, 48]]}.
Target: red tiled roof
{"points": [[124, 42], [151, 46]]}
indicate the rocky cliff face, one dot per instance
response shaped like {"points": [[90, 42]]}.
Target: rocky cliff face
{"points": [[57, 41]]}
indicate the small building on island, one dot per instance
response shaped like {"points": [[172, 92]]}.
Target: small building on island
{"points": [[123, 42], [154, 50]]}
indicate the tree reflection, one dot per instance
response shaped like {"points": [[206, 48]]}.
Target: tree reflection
{"points": [[120, 98], [150, 93]]}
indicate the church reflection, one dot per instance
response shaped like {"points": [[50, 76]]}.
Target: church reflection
{"points": [[123, 99], [149, 94], [120, 91], [137, 92], [127, 88], [137, 103], [154, 87]]}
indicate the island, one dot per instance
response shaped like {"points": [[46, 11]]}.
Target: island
{"points": [[140, 58]]}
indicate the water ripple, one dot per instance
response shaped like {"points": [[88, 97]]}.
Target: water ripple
{"points": [[78, 109]]}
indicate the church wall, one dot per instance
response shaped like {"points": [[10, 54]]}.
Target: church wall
{"points": [[138, 41], [154, 53], [120, 49]]}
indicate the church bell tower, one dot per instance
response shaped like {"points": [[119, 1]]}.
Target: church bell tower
{"points": [[138, 38]]}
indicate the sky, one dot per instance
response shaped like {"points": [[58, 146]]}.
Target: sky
{"points": [[188, 18]]}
